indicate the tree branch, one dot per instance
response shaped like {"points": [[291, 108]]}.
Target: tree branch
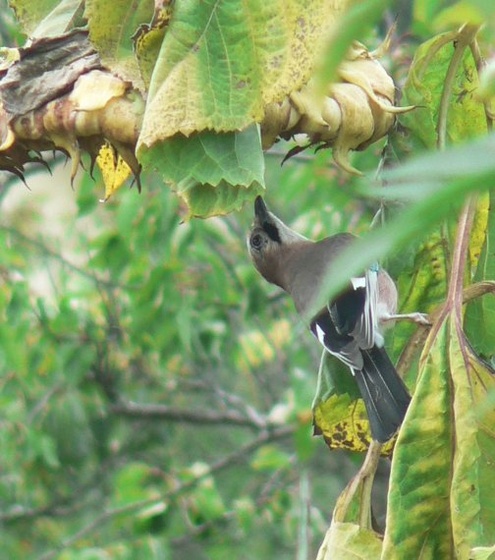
{"points": [[190, 416]]}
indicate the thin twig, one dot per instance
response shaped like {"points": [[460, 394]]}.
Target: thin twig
{"points": [[238, 402], [40, 406]]}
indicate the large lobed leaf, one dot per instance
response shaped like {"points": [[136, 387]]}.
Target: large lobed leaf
{"points": [[207, 70], [214, 66], [440, 505], [418, 505], [221, 62], [214, 163]]}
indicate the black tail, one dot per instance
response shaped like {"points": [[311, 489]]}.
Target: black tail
{"points": [[385, 396]]}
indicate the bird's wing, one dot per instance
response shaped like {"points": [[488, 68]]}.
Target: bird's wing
{"points": [[354, 311], [343, 346]]}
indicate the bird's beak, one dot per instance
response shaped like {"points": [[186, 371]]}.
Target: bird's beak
{"points": [[260, 210]]}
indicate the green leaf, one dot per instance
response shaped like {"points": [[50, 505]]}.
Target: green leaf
{"points": [[66, 15], [480, 388], [53, 13], [111, 32], [477, 238], [481, 311], [418, 515], [204, 500], [205, 201], [48, 451], [473, 510], [213, 173], [245, 512], [132, 484], [482, 553], [210, 158], [222, 62], [427, 86], [421, 283]]}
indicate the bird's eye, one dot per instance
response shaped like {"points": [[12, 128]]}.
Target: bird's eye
{"points": [[256, 241]]}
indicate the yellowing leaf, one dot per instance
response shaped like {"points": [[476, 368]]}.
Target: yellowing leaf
{"points": [[479, 230], [111, 29], [8, 57], [148, 39], [347, 541], [344, 424], [482, 553], [47, 18], [114, 169], [339, 414], [419, 484], [222, 62], [442, 466], [473, 507]]}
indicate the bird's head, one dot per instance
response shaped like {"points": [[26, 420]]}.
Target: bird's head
{"points": [[269, 242]]}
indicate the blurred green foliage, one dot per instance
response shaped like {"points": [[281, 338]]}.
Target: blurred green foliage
{"points": [[156, 393], [133, 306]]}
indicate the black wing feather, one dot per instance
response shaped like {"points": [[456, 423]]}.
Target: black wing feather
{"points": [[347, 308], [384, 393]]}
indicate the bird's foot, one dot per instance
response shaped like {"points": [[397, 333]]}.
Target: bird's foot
{"points": [[419, 318]]}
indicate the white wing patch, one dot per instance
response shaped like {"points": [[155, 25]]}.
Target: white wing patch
{"points": [[320, 335], [359, 282]]}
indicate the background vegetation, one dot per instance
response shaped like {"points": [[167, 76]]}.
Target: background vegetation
{"points": [[156, 393]]}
